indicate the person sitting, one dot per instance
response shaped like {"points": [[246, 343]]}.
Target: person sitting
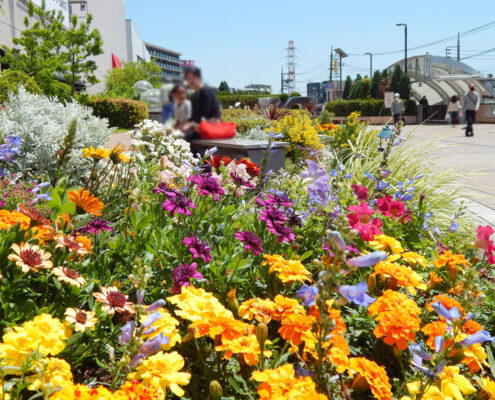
{"points": [[182, 106]]}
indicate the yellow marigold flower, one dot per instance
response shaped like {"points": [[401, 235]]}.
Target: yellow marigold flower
{"points": [[285, 305], [85, 202], [9, 218], [162, 371], [398, 318], [82, 392], [288, 270], [374, 374], [261, 310], [488, 387], [384, 242], [125, 158], [224, 325], [167, 325], [452, 262], [455, 385], [281, 383], [81, 319], [475, 355], [96, 154], [114, 301], [54, 372], [431, 392], [400, 275], [247, 346], [134, 390], [414, 259], [69, 275], [30, 258]]}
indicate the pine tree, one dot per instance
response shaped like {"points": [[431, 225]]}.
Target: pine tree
{"points": [[374, 91], [347, 88], [356, 88], [224, 87], [404, 88], [394, 82]]}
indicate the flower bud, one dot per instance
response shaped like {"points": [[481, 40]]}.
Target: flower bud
{"points": [[216, 391], [371, 282], [232, 300], [261, 333]]}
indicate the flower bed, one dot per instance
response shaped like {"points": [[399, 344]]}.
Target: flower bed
{"points": [[162, 275]]}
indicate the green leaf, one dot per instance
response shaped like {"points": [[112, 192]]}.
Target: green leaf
{"points": [[55, 202], [491, 360], [306, 255]]}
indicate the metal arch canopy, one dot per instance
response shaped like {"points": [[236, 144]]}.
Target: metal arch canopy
{"points": [[438, 78]]}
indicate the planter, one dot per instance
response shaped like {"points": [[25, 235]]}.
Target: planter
{"points": [[379, 120]]}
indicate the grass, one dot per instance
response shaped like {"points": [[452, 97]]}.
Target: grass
{"points": [[121, 130]]}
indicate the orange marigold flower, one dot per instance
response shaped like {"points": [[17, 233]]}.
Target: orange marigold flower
{"points": [[30, 258], [85, 242], [134, 390], [288, 270], [375, 375], [471, 326], [114, 301], [450, 260], [261, 310], [432, 330], [85, 202], [286, 305], [247, 346], [397, 318], [297, 328], [338, 352], [43, 233], [434, 279], [224, 325], [401, 275], [9, 218]]}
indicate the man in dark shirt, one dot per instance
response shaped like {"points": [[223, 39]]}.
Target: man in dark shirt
{"points": [[204, 103]]}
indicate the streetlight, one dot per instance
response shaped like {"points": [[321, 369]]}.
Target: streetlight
{"points": [[342, 54], [405, 45], [371, 63]]}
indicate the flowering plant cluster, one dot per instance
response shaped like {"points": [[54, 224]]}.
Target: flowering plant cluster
{"points": [[164, 277], [341, 137]]}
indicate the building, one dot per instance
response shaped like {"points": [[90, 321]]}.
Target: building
{"points": [[136, 48], [168, 60], [258, 88]]}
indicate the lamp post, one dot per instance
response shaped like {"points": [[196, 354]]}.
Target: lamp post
{"points": [[371, 63], [405, 45], [342, 54], [385, 134]]}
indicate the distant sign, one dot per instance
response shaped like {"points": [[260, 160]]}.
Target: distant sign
{"points": [[187, 63], [57, 5], [328, 85], [388, 99]]}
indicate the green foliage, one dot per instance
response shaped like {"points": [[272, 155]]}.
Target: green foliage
{"points": [[367, 108], [123, 113], [374, 90], [11, 80], [283, 97], [404, 86], [325, 117], [394, 82], [347, 87], [356, 88], [224, 87], [365, 87], [249, 100], [294, 94], [244, 119], [119, 82]]}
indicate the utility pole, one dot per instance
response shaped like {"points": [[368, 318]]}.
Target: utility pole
{"points": [[331, 64], [342, 54], [282, 80], [458, 46]]}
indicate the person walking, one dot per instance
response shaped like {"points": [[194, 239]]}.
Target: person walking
{"points": [[397, 109], [453, 110], [424, 106], [470, 106]]}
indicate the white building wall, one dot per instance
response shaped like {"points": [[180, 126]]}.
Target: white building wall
{"points": [[136, 49]]}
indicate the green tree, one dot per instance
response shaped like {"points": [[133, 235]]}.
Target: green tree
{"points": [[347, 87], [365, 88], [119, 82], [224, 87], [80, 45], [394, 82], [294, 94], [356, 88], [404, 88], [374, 91], [283, 98], [385, 73]]}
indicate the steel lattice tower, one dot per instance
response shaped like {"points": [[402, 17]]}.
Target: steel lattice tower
{"points": [[291, 68]]}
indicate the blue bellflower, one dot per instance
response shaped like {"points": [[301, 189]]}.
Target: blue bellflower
{"points": [[308, 295], [368, 259], [357, 294]]}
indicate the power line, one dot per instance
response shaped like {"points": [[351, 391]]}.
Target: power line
{"points": [[479, 54]]}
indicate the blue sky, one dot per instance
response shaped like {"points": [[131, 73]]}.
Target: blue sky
{"points": [[243, 41]]}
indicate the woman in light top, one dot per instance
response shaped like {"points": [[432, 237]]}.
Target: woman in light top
{"points": [[453, 110], [182, 106]]}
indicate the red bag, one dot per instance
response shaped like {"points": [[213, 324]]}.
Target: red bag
{"points": [[213, 130]]}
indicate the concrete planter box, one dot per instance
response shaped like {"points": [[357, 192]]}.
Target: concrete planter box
{"points": [[381, 120]]}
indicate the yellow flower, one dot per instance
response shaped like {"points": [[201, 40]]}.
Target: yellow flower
{"points": [[248, 346], [9, 218], [167, 325], [488, 387], [82, 392], [375, 375], [51, 371], [30, 258], [455, 385], [162, 371], [414, 259], [96, 154], [400, 275], [288, 270], [134, 390], [82, 319], [431, 392], [384, 242]]}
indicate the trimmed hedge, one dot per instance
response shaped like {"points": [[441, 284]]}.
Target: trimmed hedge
{"points": [[244, 119], [249, 100], [122, 113], [10, 81], [367, 108]]}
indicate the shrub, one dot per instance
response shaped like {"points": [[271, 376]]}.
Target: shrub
{"points": [[249, 100], [122, 113], [283, 97], [367, 108], [244, 119], [294, 94], [325, 117], [10, 81], [340, 137], [42, 124]]}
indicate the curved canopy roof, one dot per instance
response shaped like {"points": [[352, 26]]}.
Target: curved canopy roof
{"points": [[439, 78]]}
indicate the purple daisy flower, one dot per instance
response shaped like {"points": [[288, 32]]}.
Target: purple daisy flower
{"points": [[198, 248], [207, 185], [182, 275], [283, 232], [97, 226], [239, 181], [294, 219], [278, 200], [271, 215], [178, 204], [166, 190], [251, 241]]}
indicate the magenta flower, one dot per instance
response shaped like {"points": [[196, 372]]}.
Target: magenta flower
{"points": [[239, 181], [179, 204], [166, 190], [182, 275], [275, 200], [271, 215], [207, 185], [198, 248], [96, 225], [283, 232], [360, 191], [251, 241]]}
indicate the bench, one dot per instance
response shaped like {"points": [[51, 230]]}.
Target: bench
{"points": [[246, 148]]}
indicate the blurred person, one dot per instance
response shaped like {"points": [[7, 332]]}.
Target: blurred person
{"points": [[166, 101], [397, 109], [453, 110], [470, 106], [424, 106], [182, 106]]}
